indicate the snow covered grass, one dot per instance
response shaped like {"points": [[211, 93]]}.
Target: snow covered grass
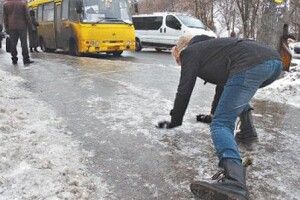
{"points": [[38, 157], [286, 89]]}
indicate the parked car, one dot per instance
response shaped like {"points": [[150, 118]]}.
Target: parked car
{"points": [[162, 30], [295, 48]]}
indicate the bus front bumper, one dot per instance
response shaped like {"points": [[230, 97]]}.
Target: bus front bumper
{"points": [[107, 48]]}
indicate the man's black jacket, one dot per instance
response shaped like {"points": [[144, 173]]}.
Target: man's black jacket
{"points": [[215, 60]]}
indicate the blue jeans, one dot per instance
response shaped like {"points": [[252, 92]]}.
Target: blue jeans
{"points": [[237, 93]]}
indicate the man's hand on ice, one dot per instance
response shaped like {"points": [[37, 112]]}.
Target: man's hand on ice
{"points": [[204, 118]]}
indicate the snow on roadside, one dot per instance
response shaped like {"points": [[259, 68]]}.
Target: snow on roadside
{"points": [[284, 90], [38, 158]]}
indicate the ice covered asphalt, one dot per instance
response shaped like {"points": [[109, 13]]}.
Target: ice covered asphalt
{"points": [[38, 157], [287, 89], [84, 128]]}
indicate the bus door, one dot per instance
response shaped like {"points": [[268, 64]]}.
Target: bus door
{"points": [[58, 26]]}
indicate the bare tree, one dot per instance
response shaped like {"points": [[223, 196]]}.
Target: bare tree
{"points": [[294, 17], [204, 10], [227, 11], [249, 11]]}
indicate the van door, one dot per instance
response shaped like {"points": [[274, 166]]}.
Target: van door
{"points": [[148, 29], [172, 31]]}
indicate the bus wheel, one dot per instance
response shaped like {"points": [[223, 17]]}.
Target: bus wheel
{"points": [[158, 49], [73, 48], [117, 53], [138, 45], [44, 48]]}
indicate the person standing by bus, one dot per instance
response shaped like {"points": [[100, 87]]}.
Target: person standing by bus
{"points": [[242, 66], [33, 35], [16, 22]]}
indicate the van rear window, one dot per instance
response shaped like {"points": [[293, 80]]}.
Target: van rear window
{"points": [[147, 23]]}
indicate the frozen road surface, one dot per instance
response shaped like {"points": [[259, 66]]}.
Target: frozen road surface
{"points": [[108, 108]]}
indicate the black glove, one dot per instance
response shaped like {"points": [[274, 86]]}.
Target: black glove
{"points": [[204, 118], [166, 125]]}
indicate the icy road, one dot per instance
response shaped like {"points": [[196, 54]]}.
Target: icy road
{"points": [[111, 106]]}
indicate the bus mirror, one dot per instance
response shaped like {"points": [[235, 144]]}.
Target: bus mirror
{"points": [[79, 6]]}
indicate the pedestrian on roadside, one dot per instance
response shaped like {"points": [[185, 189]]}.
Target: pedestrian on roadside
{"points": [[16, 22], [242, 67], [33, 34], [233, 34], [284, 50]]}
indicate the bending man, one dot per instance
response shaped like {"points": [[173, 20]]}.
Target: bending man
{"points": [[242, 66]]}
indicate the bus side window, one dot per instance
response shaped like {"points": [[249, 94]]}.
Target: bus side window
{"points": [[48, 14], [65, 9], [73, 15], [40, 13]]}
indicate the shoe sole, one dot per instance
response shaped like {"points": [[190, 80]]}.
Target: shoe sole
{"points": [[206, 192]]}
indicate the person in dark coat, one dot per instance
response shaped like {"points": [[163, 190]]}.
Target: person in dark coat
{"points": [[16, 22], [240, 67], [33, 35], [2, 36]]}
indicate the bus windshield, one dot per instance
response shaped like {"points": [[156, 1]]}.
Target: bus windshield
{"points": [[191, 22], [103, 11]]}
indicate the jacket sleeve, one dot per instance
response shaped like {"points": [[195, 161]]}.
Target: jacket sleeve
{"points": [[186, 85], [218, 94]]}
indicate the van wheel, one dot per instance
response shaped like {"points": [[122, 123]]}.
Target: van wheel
{"points": [[117, 53], [138, 45], [73, 48], [158, 49]]}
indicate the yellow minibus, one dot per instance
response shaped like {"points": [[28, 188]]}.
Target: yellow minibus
{"points": [[84, 26]]}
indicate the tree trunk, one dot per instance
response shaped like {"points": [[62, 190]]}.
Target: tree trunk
{"points": [[270, 29]]}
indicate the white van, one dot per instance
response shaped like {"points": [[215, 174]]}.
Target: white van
{"points": [[162, 30]]}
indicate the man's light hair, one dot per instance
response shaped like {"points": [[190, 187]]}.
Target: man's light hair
{"points": [[183, 42], [181, 45]]}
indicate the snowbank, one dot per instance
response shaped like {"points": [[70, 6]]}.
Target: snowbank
{"points": [[38, 158], [284, 90]]}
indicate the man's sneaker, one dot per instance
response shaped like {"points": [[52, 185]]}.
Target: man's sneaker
{"points": [[14, 62]]}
